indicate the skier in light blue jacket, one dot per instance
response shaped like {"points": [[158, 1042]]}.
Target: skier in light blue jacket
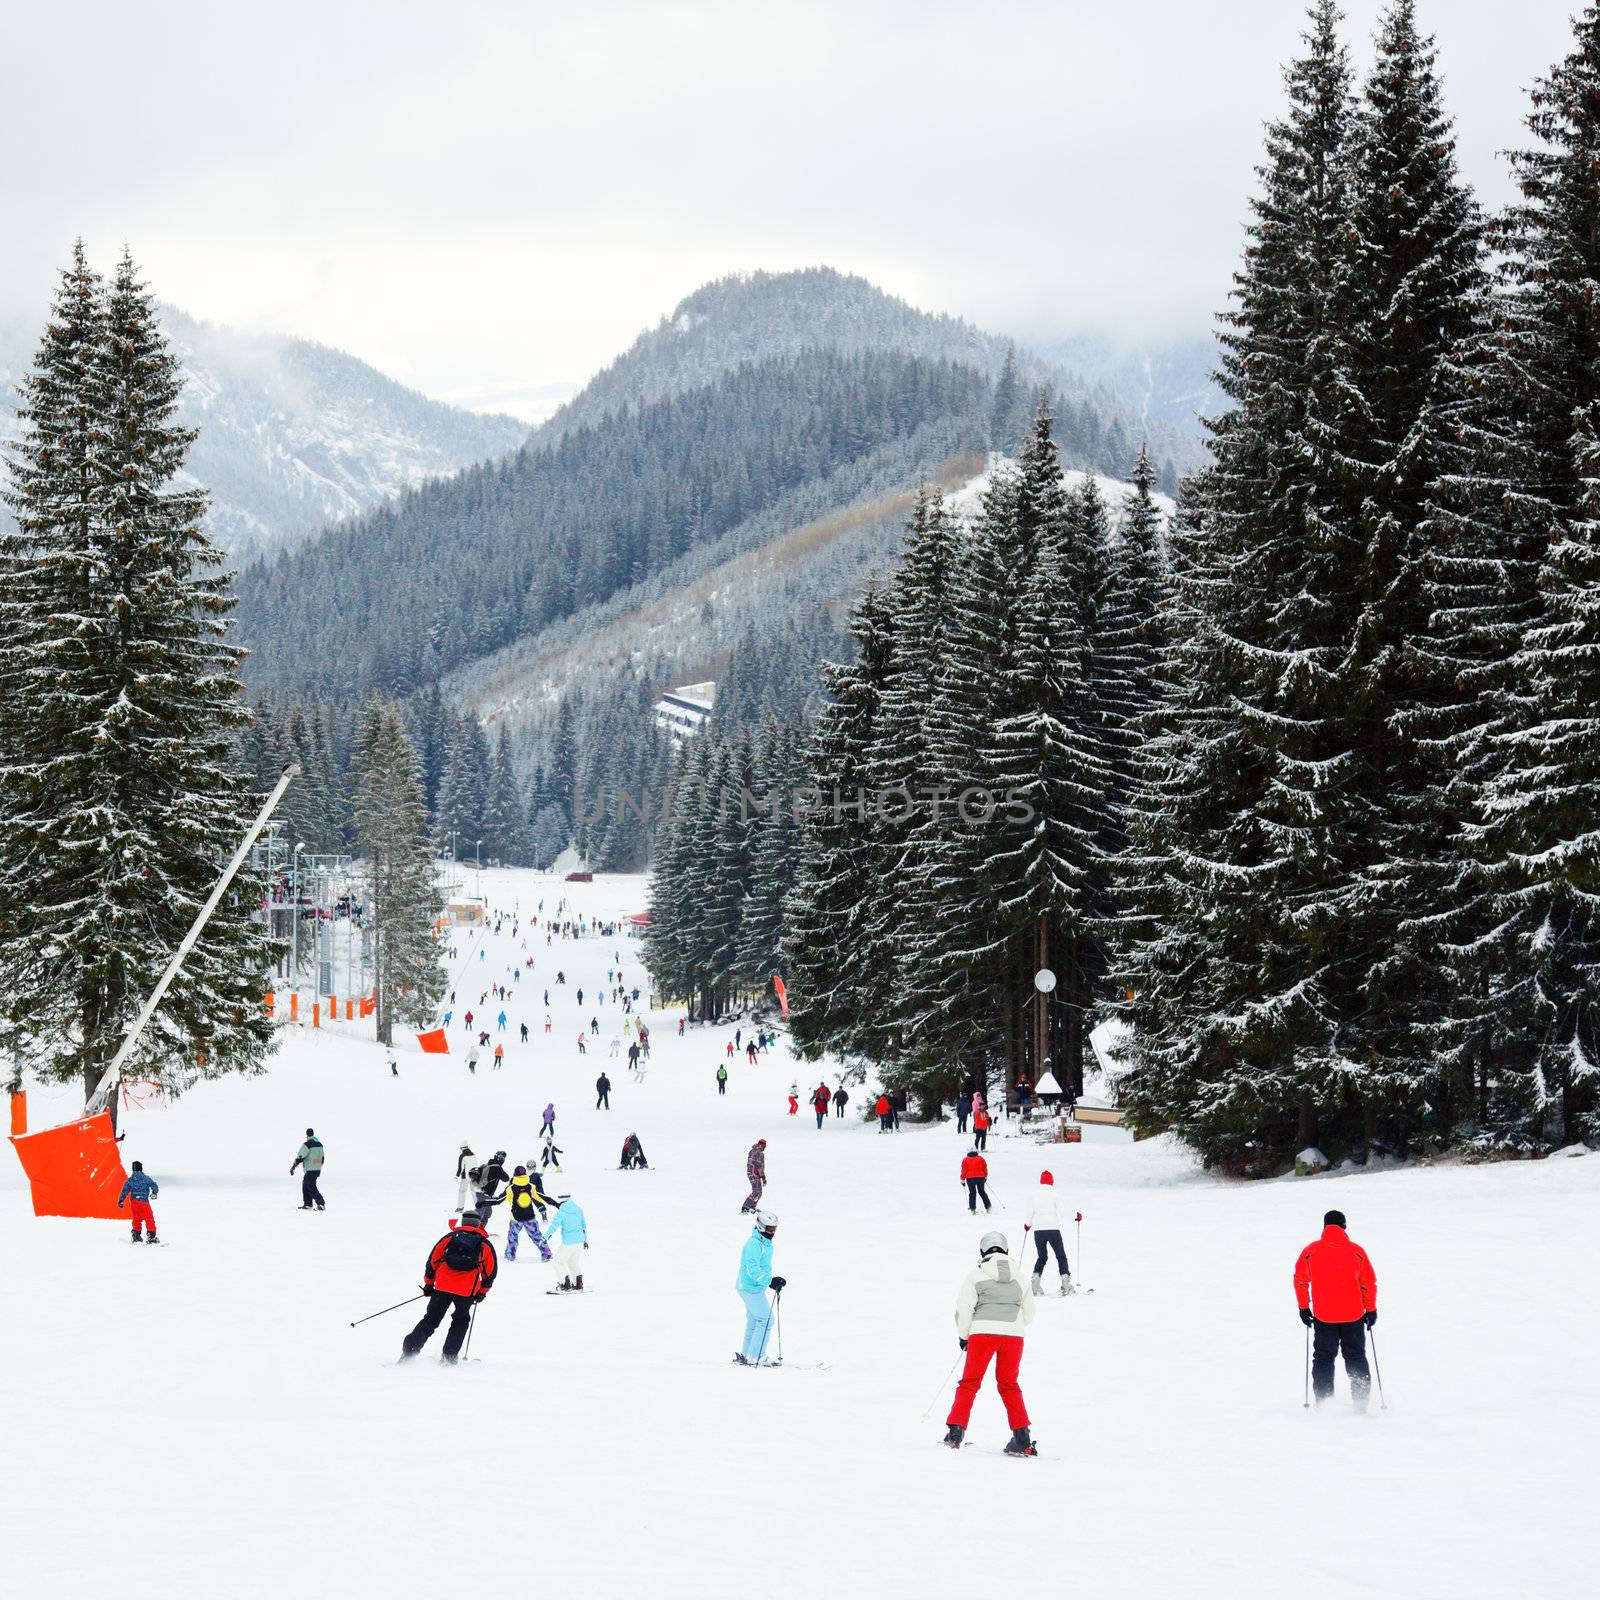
{"points": [[570, 1222], [755, 1278]]}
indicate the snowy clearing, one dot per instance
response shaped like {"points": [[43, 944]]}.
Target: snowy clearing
{"points": [[202, 1419]]}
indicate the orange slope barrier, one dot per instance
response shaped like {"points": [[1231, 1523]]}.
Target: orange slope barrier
{"points": [[434, 1043], [74, 1170]]}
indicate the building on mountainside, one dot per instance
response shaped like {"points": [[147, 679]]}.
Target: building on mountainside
{"points": [[684, 712]]}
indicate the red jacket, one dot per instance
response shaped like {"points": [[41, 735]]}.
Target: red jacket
{"points": [[980, 1118], [882, 1108], [1334, 1277], [436, 1275], [974, 1167], [822, 1099]]}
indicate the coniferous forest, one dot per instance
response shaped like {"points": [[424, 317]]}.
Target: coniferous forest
{"points": [[1295, 784]]}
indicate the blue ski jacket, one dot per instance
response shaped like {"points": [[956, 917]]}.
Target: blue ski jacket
{"points": [[755, 1263], [140, 1186], [570, 1223]]}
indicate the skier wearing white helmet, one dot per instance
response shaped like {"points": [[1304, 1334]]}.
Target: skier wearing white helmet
{"points": [[993, 1307], [755, 1278]]}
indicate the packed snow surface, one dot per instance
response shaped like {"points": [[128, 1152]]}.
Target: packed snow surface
{"points": [[202, 1420]]}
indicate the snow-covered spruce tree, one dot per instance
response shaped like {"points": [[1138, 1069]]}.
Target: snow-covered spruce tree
{"points": [[121, 803], [949, 962], [1535, 832], [898, 780], [1046, 758], [393, 837], [677, 944], [1417, 279], [504, 824], [1127, 648], [825, 958], [1248, 1055], [773, 836]]}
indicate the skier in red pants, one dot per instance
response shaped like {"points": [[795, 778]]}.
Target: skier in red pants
{"points": [[993, 1306]]}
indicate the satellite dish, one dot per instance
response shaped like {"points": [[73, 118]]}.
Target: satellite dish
{"points": [[1044, 980]]}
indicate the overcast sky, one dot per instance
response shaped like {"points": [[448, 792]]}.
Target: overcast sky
{"points": [[484, 197]]}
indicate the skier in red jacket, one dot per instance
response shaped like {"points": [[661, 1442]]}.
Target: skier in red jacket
{"points": [[460, 1272], [1337, 1292], [975, 1174]]}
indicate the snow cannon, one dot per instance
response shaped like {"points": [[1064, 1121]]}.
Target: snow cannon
{"points": [[75, 1170]]}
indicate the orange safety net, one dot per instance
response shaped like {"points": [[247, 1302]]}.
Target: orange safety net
{"points": [[74, 1170], [434, 1043]]}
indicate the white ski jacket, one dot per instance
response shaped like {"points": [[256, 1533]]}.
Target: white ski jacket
{"points": [[993, 1299], [1045, 1212]]}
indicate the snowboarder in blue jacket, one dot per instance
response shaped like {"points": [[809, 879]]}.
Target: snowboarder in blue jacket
{"points": [[755, 1278], [570, 1222], [140, 1188]]}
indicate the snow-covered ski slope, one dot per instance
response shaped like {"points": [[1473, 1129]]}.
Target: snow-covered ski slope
{"points": [[202, 1420]]}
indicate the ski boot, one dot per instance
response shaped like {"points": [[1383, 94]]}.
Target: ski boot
{"points": [[1021, 1443], [1038, 1283], [1067, 1286], [579, 1284], [138, 1238], [954, 1434], [566, 1283], [740, 1359], [150, 1238]]}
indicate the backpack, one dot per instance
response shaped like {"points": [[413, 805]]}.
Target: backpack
{"points": [[463, 1252]]}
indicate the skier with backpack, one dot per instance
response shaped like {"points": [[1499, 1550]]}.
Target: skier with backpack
{"points": [[993, 1307], [460, 1272], [525, 1211], [310, 1155], [570, 1222], [722, 1078], [755, 1278], [140, 1189], [489, 1182]]}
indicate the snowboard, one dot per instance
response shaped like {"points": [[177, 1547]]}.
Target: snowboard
{"points": [[567, 1294]]}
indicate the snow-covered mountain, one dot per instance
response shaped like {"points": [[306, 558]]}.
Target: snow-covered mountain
{"points": [[1171, 383], [294, 435]]}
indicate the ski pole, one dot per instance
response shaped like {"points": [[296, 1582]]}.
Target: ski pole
{"points": [[1307, 1401], [777, 1313], [387, 1309], [765, 1334], [472, 1316], [940, 1390], [1377, 1371]]}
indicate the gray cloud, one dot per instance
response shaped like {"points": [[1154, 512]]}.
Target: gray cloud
{"points": [[498, 195]]}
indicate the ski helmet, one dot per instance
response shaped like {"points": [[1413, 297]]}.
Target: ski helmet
{"points": [[499, 1155], [767, 1222], [993, 1244], [473, 1217], [138, 1166], [520, 1172]]}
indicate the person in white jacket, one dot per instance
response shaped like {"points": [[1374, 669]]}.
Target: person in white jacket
{"points": [[993, 1307], [1044, 1221]]}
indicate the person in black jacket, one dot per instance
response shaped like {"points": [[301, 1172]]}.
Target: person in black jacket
{"points": [[602, 1092], [489, 1183], [633, 1153]]}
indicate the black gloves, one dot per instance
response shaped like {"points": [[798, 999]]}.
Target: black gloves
{"points": [[1305, 1316], [1370, 1318], [963, 1344], [778, 1285]]}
